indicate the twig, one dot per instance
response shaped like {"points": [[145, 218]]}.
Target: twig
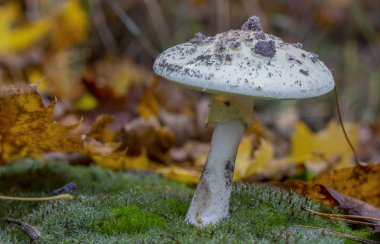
{"points": [[101, 26], [132, 27], [341, 218], [344, 130], [355, 217], [339, 234], [37, 199], [158, 21], [28, 229]]}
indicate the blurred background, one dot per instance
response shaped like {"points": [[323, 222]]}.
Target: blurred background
{"points": [[96, 58]]}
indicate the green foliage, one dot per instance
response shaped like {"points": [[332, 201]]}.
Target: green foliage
{"points": [[119, 207]]}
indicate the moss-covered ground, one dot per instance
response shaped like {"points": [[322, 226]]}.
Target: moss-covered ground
{"points": [[127, 207]]}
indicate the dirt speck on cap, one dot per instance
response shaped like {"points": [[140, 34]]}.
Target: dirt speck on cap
{"points": [[252, 24], [304, 72], [297, 45], [200, 39], [313, 57], [265, 48], [260, 35]]}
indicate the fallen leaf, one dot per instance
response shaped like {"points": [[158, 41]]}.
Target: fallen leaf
{"points": [[352, 205], [99, 129], [180, 174], [18, 37], [328, 143], [62, 73], [86, 102], [70, 25], [27, 127], [115, 77], [361, 182], [313, 192], [119, 160], [148, 106], [260, 163], [149, 134]]}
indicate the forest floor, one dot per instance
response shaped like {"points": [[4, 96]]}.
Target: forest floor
{"points": [[127, 207]]}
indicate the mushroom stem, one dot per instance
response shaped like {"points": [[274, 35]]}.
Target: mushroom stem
{"points": [[211, 200]]}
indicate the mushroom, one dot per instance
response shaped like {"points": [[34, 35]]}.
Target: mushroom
{"points": [[236, 67]]}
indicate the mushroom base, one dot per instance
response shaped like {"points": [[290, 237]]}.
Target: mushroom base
{"points": [[211, 200]]}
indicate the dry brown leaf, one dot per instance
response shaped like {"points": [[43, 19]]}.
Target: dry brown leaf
{"points": [[114, 78], [313, 192], [99, 129], [62, 79], [27, 127], [355, 190], [148, 134], [359, 182], [353, 206]]}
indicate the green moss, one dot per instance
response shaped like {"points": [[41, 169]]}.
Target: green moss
{"points": [[173, 206], [120, 207], [130, 219]]}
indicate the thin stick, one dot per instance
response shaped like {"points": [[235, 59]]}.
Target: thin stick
{"points": [[31, 231], [158, 20], [37, 199], [353, 221], [132, 28], [354, 217], [335, 217], [339, 234], [343, 129], [101, 26]]}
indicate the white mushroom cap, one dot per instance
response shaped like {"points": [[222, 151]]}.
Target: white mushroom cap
{"points": [[246, 62]]}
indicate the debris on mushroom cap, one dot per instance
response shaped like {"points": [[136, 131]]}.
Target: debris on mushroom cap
{"points": [[252, 24], [297, 45], [265, 48], [260, 35], [247, 62], [201, 39]]}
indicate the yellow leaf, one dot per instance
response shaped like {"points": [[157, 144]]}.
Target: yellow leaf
{"points": [[324, 144], [27, 127], [70, 25], [180, 174], [35, 77], [19, 37], [262, 158], [243, 157], [118, 160], [86, 102], [148, 106], [302, 141], [248, 165]]}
